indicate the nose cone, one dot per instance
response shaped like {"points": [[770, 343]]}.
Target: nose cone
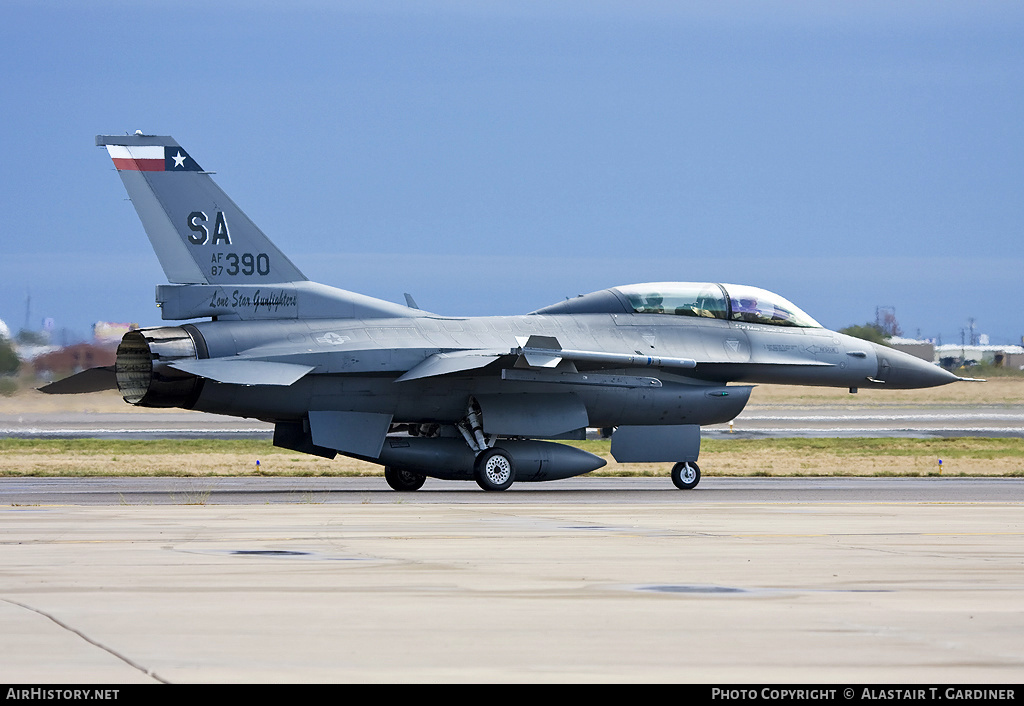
{"points": [[902, 371]]}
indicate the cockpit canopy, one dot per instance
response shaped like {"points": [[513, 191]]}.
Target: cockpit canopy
{"points": [[728, 302], [733, 302]]}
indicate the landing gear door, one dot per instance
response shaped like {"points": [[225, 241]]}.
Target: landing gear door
{"points": [[656, 444], [539, 416]]}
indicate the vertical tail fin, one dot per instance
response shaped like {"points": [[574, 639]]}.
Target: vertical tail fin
{"points": [[200, 236]]}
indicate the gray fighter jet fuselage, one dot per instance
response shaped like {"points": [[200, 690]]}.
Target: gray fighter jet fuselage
{"points": [[478, 398]]}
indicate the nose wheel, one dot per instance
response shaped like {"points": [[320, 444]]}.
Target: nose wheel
{"points": [[686, 475]]}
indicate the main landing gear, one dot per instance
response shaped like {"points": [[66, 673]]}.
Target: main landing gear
{"points": [[686, 475], [494, 469], [403, 480]]}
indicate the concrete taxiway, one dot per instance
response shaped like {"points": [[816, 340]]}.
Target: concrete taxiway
{"points": [[742, 580]]}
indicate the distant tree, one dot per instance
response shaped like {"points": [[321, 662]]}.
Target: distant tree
{"points": [[9, 362], [868, 332], [885, 321], [32, 338]]}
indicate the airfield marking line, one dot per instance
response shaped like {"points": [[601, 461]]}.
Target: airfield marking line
{"points": [[865, 503], [879, 534], [130, 663]]}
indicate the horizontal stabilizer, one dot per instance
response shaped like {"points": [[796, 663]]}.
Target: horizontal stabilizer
{"points": [[92, 380], [244, 372]]}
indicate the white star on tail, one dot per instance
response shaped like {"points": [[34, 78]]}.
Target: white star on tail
{"points": [[179, 159]]}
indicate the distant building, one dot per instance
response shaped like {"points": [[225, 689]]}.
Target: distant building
{"points": [[952, 355], [31, 351], [109, 332], [72, 359], [925, 350]]}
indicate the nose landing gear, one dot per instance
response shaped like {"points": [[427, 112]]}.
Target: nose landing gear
{"points": [[686, 475]]}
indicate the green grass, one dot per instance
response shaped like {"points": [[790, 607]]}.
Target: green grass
{"points": [[953, 447], [114, 447], [977, 447], [986, 370]]}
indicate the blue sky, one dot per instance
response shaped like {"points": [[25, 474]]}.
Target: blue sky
{"points": [[495, 157]]}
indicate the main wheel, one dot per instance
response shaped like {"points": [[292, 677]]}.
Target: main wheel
{"points": [[686, 475], [403, 480], [494, 469]]}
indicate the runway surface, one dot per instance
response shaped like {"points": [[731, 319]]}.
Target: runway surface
{"points": [[743, 580], [919, 421], [600, 491], [835, 581]]}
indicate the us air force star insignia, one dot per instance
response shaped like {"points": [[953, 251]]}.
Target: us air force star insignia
{"points": [[332, 338], [179, 159]]}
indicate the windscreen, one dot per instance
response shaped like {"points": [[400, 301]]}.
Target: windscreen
{"points": [[759, 306]]}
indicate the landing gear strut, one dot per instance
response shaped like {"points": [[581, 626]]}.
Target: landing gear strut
{"points": [[686, 475]]}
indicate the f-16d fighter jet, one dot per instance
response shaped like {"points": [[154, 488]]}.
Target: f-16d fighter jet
{"points": [[422, 394]]}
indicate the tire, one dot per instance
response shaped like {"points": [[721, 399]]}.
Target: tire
{"points": [[686, 475], [402, 480], [494, 470]]}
